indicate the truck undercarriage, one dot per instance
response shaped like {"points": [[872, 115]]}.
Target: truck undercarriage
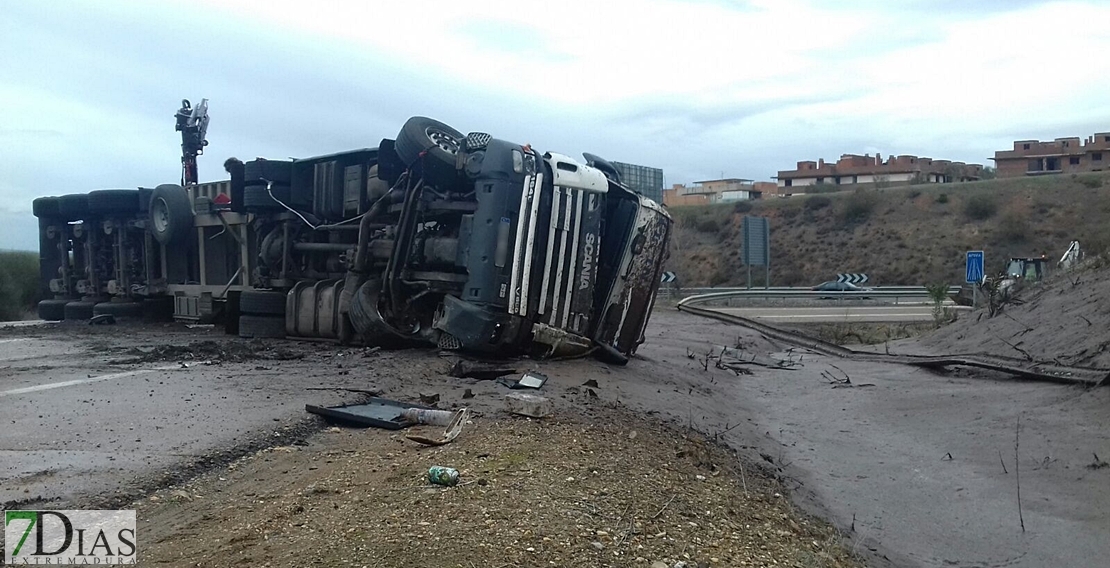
{"points": [[464, 242]]}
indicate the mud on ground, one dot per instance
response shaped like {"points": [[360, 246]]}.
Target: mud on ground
{"points": [[564, 491]]}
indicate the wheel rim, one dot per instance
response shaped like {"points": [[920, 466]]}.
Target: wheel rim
{"points": [[443, 140], [160, 215]]}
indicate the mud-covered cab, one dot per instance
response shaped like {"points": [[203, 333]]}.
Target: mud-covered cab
{"points": [[634, 249]]}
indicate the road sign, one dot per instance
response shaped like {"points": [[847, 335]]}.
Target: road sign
{"points": [[974, 267], [668, 277], [852, 278], [756, 245]]}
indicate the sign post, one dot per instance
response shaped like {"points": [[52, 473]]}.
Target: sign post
{"points": [[756, 247], [974, 270]]}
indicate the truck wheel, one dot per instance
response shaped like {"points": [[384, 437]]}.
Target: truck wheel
{"points": [[52, 310], [114, 201], [258, 302], [46, 208], [277, 171], [256, 198], [261, 326], [171, 214], [119, 309], [441, 142], [366, 320], [73, 207], [79, 310]]}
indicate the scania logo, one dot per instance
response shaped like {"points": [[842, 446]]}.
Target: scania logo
{"points": [[587, 262]]}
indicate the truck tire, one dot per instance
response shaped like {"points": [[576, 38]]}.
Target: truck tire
{"points": [[277, 171], [257, 198], [73, 207], [441, 142], [366, 321], [79, 310], [171, 214], [261, 326], [259, 302], [119, 309], [52, 310], [46, 208], [124, 201]]}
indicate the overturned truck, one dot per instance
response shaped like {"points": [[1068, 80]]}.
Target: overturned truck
{"points": [[464, 242]]}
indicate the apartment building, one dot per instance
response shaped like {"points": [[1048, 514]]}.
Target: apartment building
{"points": [[1059, 156], [716, 191], [896, 170]]}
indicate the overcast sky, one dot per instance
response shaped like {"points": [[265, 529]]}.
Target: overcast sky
{"points": [[702, 89]]}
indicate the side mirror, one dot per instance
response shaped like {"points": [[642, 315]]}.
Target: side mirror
{"points": [[602, 164]]}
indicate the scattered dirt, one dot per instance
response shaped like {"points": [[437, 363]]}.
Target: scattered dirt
{"points": [[1062, 319], [559, 492], [229, 351]]}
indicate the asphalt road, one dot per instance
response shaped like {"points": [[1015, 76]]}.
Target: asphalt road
{"points": [[900, 313], [916, 467], [81, 417]]}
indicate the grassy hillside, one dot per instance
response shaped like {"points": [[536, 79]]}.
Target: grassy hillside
{"points": [[19, 283], [898, 236]]}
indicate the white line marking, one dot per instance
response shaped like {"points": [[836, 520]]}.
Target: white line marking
{"points": [[51, 386]]}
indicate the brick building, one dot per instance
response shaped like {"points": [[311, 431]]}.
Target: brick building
{"points": [[896, 170], [716, 191], [1060, 156]]}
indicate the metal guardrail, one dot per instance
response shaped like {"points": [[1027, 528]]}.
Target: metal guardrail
{"points": [[698, 295]]}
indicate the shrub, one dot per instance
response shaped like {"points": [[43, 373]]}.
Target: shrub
{"points": [[816, 202], [915, 194], [942, 198], [980, 207], [857, 207], [19, 283], [1014, 228], [742, 206], [1091, 182], [709, 226]]}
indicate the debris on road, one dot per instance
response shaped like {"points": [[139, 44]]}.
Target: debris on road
{"points": [[529, 380], [103, 319], [454, 423], [481, 371], [530, 405], [377, 412], [440, 475]]}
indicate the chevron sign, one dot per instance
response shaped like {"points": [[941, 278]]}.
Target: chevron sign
{"points": [[852, 278], [668, 277]]}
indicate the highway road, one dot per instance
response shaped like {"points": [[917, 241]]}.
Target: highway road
{"points": [[852, 314]]}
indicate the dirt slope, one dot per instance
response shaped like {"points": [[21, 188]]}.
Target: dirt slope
{"points": [[899, 236], [1065, 318]]}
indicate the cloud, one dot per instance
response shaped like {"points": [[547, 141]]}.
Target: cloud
{"points": [[700, 88]]}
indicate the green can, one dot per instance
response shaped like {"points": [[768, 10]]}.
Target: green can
{"points": [[439, 475]]}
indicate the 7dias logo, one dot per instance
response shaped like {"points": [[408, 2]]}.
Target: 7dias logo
{"points": [[70, 538]]}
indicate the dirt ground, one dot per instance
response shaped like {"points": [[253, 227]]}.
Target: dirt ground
{"points": [[913, 467], [565, 491], [1065, 318]]}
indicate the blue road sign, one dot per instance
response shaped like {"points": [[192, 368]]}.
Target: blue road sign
{"points": [[974, 267]]}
